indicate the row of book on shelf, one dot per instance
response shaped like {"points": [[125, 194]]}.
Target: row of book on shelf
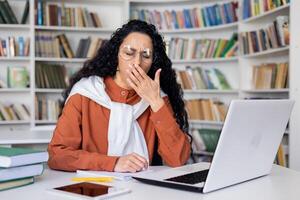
{"points": [[47, 109], [198, 78], [206, 109], [12, 46], [48, 44], [7, 15], [19, 166], [51, 76], [205, 142], [53, 14], [270, 76], [184, 48], [197, 17], [17, 77], [14, 112], [254, 8], [275, 35]]}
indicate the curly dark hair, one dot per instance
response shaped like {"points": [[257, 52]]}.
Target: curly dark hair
{"points": [[105, 63]]}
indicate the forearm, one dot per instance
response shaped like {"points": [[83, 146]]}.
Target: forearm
{"points": [[62, 158], [174, 146]]}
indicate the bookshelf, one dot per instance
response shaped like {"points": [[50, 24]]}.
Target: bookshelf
{"points": [[278, 54], [113, 13]]}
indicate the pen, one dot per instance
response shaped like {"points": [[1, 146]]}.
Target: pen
{"points": [[93, 179]]}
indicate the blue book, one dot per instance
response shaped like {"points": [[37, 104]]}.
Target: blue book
{"points": [[246, 9], [227, 14], [174, 18], [215, 14], [218, 14], [207, 80], [231, 12], [206, 17], [187, 19], [142, 15], [40, 12], [210, 11], [21, 46]]}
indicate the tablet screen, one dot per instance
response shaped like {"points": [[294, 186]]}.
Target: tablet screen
{"points": [[85, 188]]}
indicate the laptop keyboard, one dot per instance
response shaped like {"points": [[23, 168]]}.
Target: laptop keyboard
{"points": [[192, 178]]}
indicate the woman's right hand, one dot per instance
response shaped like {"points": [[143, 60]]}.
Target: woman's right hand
{"points": [[131, 163]]}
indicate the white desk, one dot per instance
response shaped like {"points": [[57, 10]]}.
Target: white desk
{"points": [[283, 184]]}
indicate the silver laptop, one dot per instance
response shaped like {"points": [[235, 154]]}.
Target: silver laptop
{"points": [[246, 149]]}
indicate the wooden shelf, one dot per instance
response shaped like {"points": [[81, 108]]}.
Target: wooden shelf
{"points": [[72, 60], [204, 29], [170, 1], [14, 90], [267, 52], [211, 91], [267, 91], [49, 90], [45, 121], [203, 122], [16, 58], [75, 29], [14, 122], [203, 153], [25, 137], [205, 60], [268, 13], [14, 26]]}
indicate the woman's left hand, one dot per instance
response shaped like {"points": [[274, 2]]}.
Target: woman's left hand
{"points": [[145, 87]]}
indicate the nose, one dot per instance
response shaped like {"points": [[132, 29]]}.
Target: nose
{"points": [[137, 59]]}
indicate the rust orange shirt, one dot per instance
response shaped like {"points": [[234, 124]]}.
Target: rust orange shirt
{"points": [[80, 139]]}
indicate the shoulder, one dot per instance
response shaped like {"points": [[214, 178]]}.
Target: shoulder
{"points": [[77, 101]]}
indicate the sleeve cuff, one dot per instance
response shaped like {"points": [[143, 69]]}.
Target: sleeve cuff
{"points": [[108, 163]]}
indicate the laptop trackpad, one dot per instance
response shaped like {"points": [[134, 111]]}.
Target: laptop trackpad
{"points": [[191, 178]]}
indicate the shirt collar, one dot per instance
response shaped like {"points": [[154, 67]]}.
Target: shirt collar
{"points": [[119, 94]]}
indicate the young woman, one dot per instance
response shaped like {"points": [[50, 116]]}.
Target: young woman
{"points": [[123, 110]]}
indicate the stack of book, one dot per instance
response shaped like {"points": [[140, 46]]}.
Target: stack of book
{"points": [[254, 8], [183, 48], [12, 47], [13, 112], [275, 35], [198, 78], [7, 15], [205, 139], [206, 109], [270, 76], [51, 76], [47, 109], [55, 15], [19, 166], [214, 15]]}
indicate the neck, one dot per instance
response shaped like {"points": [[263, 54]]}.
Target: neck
{"points": [[120, 82]]}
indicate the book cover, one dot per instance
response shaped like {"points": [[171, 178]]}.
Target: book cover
{"points": [[14, 156], [17, 77]]}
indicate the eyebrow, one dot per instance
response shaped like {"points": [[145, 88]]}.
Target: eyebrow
{"points": [[131, 48]]}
